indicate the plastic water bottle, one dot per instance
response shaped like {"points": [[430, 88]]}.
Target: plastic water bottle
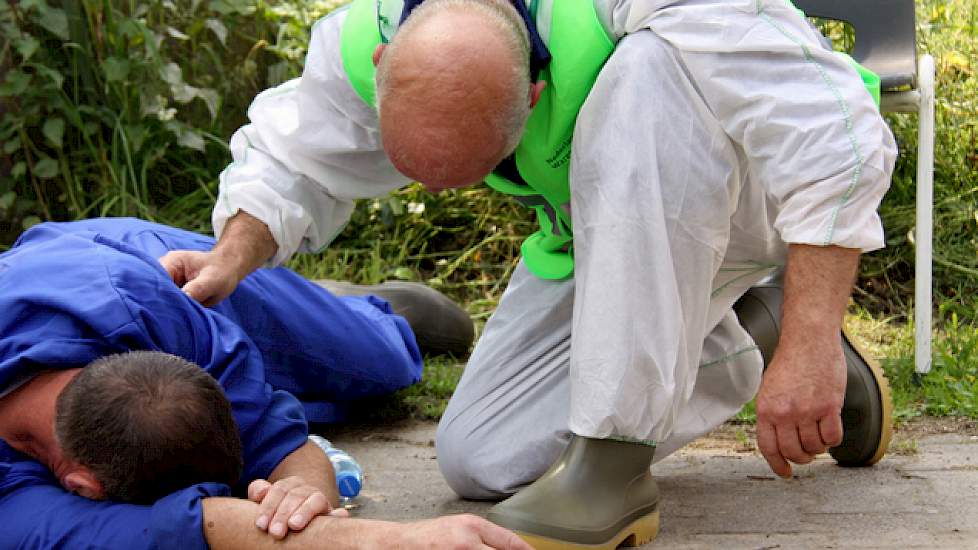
{"points": [[349, 474]]}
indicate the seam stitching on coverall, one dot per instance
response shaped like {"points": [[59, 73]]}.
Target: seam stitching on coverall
{"points": [[752, 271], [726, 358], [854, 145]]}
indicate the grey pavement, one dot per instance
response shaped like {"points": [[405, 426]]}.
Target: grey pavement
{"points": [[720, 495]]}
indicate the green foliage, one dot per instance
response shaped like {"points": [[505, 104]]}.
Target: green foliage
{"points": [[124, 108], [463, 242], [949, 31], [951, 388], [425, 400]]}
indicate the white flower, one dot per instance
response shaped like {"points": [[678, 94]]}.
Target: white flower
{"points": [[166, 114]]}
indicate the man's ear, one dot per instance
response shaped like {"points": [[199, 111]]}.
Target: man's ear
{"points": [[535, 90], [82, 482], [378, 51]]}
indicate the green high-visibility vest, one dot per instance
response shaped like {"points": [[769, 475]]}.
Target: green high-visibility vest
{"points": [[579, 46]]}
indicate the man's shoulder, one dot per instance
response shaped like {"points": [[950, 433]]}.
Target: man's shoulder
{"points": [[63, 291]]}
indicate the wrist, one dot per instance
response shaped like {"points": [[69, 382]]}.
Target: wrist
{"points": [[811, 330], [235, 264], [245, 245]]}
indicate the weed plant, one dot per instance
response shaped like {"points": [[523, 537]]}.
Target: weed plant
{"points": [[124, 108]]}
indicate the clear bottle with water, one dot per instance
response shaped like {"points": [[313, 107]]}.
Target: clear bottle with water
{"points": [[349, 474]]}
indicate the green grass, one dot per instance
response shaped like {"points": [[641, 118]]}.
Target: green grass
{"points": [[426, 400]]}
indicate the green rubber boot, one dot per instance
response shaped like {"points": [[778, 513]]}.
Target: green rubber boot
{"points": [[598, 495], [867, 411], [438, 323]]}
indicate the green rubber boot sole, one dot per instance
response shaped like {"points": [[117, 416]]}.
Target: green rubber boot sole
{"points": [[867, 411], [639, 532], [599, 494]]}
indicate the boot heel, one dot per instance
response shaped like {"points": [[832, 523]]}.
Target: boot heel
{"points": [[644, 529]]}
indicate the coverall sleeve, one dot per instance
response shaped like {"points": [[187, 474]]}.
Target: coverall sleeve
{"points": [[808, 129], [38, 513], [271, 422], [311, 148]]}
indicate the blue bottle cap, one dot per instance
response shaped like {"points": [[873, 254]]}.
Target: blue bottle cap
{"points": [[348, 484]]}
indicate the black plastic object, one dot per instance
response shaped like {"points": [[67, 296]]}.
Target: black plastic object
{"points": [[885, 36]]}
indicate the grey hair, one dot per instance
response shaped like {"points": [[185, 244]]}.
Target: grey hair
{"points": [[501, 15]]}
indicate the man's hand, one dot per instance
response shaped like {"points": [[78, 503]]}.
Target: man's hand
{"points": [[799, 405], [453, 532], [210, 277], [204, 276], [300, 488], [288, 504]]}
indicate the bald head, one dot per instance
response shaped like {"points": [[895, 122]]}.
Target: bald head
{"points": [[453, 90]]}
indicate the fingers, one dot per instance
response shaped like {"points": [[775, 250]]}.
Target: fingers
{"points": [[811, 439], [289, 504], [201, 275], [339, 513], [495, 536], [172, 262], [790, 444], [201, 290], [830, 428], [315, 504], [767, 442], [257, 490], [267, 509]]}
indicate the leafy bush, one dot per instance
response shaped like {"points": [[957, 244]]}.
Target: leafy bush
{"points": [[117, 108], [949, 31]]}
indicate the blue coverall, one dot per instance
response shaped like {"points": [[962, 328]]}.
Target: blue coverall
{"points": [[72, 292]]}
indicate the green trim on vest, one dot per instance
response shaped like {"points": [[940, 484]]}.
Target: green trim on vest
{"points": [[870, 79], [580, 47], [359, 37]]}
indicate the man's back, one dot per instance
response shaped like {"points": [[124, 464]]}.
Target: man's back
{"points": [[81, 281]]}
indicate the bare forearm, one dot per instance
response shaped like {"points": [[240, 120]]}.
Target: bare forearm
{"points": [[311, 464], [246, 243], [229, 524], [801, 396], [818, 282]]}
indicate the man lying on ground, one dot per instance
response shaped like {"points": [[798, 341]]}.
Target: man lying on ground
{"points": [[103, 447]]}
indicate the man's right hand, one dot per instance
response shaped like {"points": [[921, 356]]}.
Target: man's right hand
{"points": [[204, 276], [210, 277]]}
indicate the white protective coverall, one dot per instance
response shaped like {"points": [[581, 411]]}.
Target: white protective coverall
{"points": [[718, 131]]}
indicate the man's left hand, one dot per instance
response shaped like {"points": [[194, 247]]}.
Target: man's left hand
{"points": [[800, 403], [288, 504]]}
